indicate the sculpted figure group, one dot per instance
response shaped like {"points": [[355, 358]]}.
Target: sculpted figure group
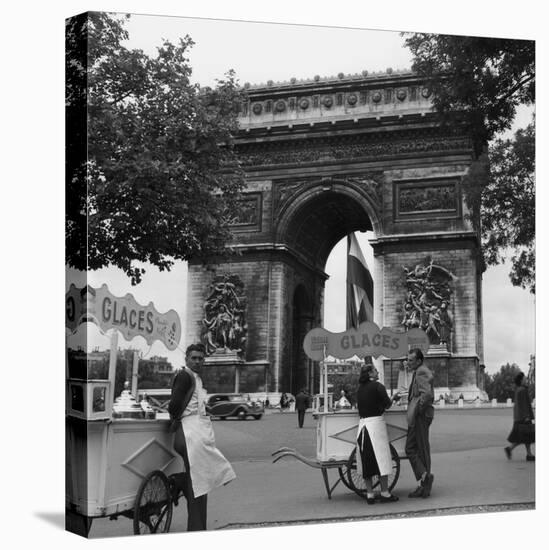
{"points": [[427, 301], [224, 325]]}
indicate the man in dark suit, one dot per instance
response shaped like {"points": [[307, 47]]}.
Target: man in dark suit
{"points": [[420, 414], [301, 405]]}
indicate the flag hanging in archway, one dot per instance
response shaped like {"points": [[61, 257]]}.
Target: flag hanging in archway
{"points": [[360, 286]]}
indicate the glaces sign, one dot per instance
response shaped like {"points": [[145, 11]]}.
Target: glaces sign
{"points": [[367, 339], [124, 314]]}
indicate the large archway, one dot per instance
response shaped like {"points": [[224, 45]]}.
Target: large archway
{"points": [[318, 217], [323, 159]]}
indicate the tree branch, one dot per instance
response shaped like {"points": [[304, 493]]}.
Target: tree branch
{"points": [[516, 88]]}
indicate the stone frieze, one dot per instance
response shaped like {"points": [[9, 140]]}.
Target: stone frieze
{"points": [[296, 153]]}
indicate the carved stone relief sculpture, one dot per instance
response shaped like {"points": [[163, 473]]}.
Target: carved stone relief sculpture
{"points": [[428, 301], [224, 323]]}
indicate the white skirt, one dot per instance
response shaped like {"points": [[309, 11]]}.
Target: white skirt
{"points": [[377, 430], [209, 468]]}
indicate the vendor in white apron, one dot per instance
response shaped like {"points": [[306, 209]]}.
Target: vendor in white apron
{"points": [[373, 452], [205, 466]]}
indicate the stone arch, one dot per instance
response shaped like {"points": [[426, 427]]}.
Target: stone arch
{"points": [[313, 217], [320, 214]]}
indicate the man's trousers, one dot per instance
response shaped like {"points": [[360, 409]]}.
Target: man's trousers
{"points": [[197, 508], [300, 417], [417, 447]]}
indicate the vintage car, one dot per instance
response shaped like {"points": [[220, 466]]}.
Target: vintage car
{"points": [[224, 405]]}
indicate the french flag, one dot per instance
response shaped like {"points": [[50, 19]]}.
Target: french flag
{"points": [[360, 286]]}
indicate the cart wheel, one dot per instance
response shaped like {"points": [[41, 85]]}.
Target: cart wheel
{"points": [[356, 482], [344, 476], [153, 507]]}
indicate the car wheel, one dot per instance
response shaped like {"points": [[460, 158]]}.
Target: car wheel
{"points": [[222, 417], [258, 416], [241, 414]]}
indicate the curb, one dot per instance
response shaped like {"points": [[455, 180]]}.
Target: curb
{"points": [[451, 510]]}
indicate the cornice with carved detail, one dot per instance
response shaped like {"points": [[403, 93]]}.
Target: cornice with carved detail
{"points": [[340, 149]]}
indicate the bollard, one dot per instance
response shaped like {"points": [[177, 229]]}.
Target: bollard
{"points": [[494, 402], [509, 402], [460, 403]]}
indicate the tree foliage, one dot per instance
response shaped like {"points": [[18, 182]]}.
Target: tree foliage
{"points": [[500, 185], [501, 385], [151, 172], [508, 206], [480, 82]]}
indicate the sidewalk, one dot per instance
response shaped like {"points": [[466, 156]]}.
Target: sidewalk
{"points": [[290, 491]]}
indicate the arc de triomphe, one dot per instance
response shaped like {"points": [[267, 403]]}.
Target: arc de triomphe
{"points": [[323, 158]]}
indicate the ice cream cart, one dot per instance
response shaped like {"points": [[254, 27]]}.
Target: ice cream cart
{"points": [[336, 430], [120, 459]]}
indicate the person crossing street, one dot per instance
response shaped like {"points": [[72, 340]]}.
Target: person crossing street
{"points": [[302, 403]]}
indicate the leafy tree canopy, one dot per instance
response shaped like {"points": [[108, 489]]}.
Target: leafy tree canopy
{"points": [[151, 172], [481, 82], [501, 385], [501, 186]]}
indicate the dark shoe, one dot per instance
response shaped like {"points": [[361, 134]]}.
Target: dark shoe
{"points": [[530, 458], [427, 485], [417, 492], [390, 498], [371, 500], [507, 453]]}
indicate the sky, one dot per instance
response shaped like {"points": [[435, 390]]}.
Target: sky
{"points": [[280, 52], [32, 233]]}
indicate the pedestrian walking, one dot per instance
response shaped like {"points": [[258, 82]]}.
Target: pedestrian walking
{"points": [[523, 431], [373, 451], [419, 416], [302, 403], [205, 467]]}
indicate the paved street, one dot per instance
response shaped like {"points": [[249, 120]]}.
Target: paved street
{"points": [[453, 430], [468, 462]]}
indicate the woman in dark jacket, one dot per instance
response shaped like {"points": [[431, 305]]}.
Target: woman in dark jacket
{"points": [[523, 429], [373, 452]]}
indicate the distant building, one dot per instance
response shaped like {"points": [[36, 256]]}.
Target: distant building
{"points": [[159, 365], [343, 368]]}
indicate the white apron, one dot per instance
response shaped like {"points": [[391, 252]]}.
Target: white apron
{"points": [[209, 468], [377, 430]]}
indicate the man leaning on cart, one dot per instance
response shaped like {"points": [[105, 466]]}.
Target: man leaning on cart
{"points": [[205, 467]]}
